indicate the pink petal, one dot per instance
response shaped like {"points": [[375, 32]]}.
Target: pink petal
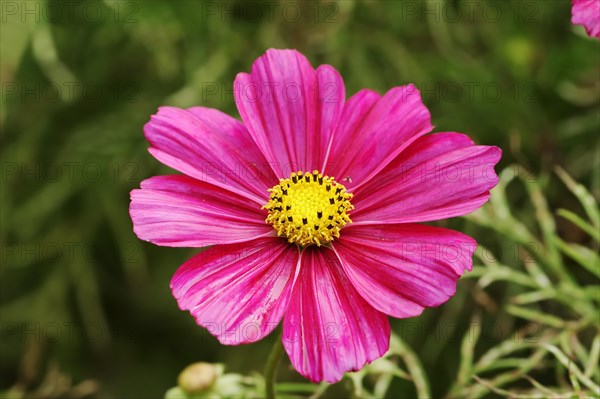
{"points": [[438, 176], [290, 109], [401, 269], [238, 292], [210, 146], [373, 130], [179, 211], [329, 328], [587, 13]]}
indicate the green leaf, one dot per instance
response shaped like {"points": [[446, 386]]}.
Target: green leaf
{"points": [[178, 393], [584, 256], [586, 199], [579, 222], [534, 315], [296, 387], [524, 367], [545, 220], [415, 368], [490, 275], [467, 351], [572, 367], [591, 366]]}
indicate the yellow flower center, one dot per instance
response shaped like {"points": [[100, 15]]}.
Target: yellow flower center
{"points": [[309, 208]]}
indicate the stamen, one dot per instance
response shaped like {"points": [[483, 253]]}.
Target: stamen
{"points": [[298, 204]]}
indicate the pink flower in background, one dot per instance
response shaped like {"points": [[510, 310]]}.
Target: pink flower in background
{"points": [[587, 13], [310, 207]]}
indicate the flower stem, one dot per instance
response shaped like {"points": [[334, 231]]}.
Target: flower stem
{"points": [[271, 367]]}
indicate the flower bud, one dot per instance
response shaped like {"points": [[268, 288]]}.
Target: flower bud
{"points": [[197, 377]]}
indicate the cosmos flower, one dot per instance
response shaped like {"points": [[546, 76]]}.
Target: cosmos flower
{"points": [[310, 208], [587, 13]]}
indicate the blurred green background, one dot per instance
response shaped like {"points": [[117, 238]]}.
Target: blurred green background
{"points": [[86, 306]]}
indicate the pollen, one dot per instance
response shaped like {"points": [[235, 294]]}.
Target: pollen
{"points": [[309, 208]]}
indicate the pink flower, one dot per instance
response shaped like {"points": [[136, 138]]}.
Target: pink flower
{"points": [[587, 13], [310, 207]]}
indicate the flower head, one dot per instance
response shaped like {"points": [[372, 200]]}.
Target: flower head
{"points": [[310, 208], [587, 13]]}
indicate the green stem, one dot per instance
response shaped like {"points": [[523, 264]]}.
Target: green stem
{"points": [[271, 367]]}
